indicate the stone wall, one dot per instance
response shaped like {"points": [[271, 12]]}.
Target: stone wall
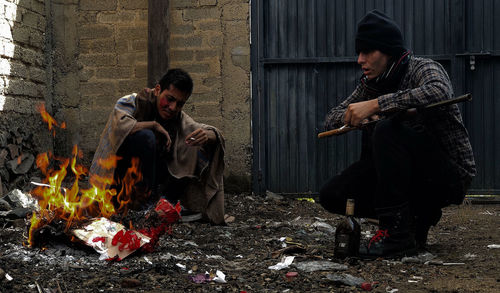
{"points": [[101, 55], [96, 51], [23, 86], [210, 39]]}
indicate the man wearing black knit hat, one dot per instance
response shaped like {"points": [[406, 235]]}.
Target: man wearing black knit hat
{"points": [[410, 167]]}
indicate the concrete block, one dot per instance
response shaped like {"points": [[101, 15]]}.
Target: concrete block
{"points": [[10, 10], [133, 4], [196, 68], [98, 59], [5, 30], [37, 74], [181, 55], [131, 86], [115, 17], [86, 74], [185, 42], [8, 49], [208, 2], [93, 31], [181, 29], [132, 32], [208, 97], [141, 71], [97, 46], [240, 57], [184, 4], [21, 34], [38, 7], [99, 88], [37, 39], [209, 53], [237, 11], [141, 15], [20, 87], [140, 45], [132, 58], [115, 72], [98, 5], [122, 46], [208, 25], [29, 56], [205, 13]]}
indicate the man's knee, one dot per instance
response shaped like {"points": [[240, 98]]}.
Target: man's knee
{"points": [[140, 142], [329, 197]]}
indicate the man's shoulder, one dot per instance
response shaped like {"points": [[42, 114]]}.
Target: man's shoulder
{"points": [[422, 63]]}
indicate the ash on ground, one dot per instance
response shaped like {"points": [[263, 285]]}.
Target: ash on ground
{"points": [[262, 233]]}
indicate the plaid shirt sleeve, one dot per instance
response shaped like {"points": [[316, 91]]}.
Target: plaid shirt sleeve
{"points": [[335, 117], [429, 84]]}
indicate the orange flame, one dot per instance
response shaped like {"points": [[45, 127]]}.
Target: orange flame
{"points": [[75, 204]]}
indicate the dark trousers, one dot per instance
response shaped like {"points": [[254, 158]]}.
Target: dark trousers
{"points": [[400, 163], [156, 180]]}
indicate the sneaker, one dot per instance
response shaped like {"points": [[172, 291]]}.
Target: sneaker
{"points": [[383, 245]]}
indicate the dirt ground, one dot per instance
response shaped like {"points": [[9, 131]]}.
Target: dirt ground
{"points": [[246, 248]]}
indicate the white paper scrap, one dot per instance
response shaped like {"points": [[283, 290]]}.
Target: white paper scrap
{"points": [[285, 263]]}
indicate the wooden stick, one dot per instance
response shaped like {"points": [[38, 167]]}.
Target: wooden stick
{"points": [[346, 128]]}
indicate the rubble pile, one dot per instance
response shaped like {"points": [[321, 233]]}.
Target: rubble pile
{"points": [[16, 158]]}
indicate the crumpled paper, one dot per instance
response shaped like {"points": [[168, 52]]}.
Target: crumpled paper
{"points": [[100, 235]]}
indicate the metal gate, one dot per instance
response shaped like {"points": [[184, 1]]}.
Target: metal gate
{"points": [[303, 63]]}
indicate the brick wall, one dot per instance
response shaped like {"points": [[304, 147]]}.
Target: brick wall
{"points": [[22, 68], [101, 55], [210, 39], [23, 81]]}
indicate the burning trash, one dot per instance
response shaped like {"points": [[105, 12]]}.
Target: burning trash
{"points": [[86, 213]]}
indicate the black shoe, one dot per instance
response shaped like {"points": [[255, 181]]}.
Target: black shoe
{"points": [[385, 246], [395, 238]]}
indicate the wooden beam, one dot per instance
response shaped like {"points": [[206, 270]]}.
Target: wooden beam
{"points": [[158, 39]]}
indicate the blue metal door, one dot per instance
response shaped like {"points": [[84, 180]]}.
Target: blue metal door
{"points": [[303, 63]]}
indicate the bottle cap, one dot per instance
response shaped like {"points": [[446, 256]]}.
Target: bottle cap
{"points": [[349, 209]]}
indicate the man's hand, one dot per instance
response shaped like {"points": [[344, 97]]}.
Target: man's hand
{"points": [[358, 112], [200, 137], [155, 126], [160, 129]]}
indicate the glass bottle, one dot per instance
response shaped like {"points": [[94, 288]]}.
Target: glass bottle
{"points": [[347, 234]]}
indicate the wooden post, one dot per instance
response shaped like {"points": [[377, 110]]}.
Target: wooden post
{"points": [[158, 39]]}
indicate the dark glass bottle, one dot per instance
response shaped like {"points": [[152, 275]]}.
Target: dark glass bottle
{"points": [[347, 234]]}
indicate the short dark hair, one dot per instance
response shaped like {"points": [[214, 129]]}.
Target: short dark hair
{"points": [[178, 78]]}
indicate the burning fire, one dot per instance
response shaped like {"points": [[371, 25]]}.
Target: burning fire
{"points": [[76, 204]]}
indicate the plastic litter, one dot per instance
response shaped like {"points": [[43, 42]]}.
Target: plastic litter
{"points": [[285, 263], [346, 279], [320, 265], [491, 246], [389, 289], [421, 258], [290, 276], [309, 199], [323, 226]]}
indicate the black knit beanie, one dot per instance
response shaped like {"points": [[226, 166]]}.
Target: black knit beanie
{"points": [[376, 31]]}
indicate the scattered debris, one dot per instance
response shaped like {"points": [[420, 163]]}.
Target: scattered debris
{"points": [[320, 265], [420, 258], [273, 196], [494, 246], [285, 263], [324, 226], [345, 279], [389, 289]]}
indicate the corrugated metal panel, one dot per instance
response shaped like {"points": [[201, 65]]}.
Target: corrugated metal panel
{"points": [[304, 63]]}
